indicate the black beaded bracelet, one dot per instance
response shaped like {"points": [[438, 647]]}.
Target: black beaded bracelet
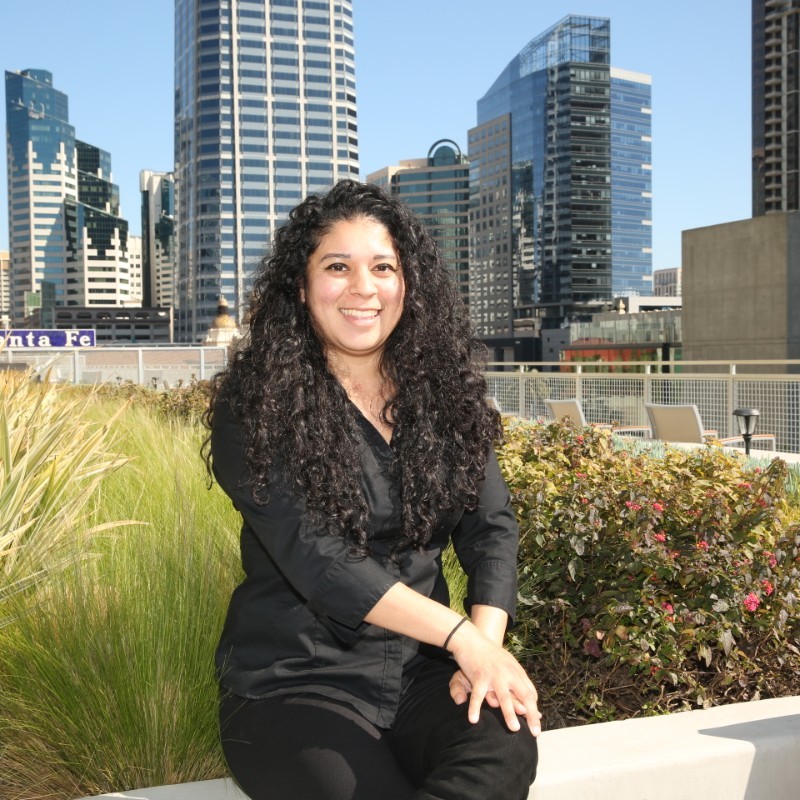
{"points": [[450, 635]]}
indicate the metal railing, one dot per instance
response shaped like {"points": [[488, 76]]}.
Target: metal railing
{"points": [[161, 366], [520, 389], [615, 397]]}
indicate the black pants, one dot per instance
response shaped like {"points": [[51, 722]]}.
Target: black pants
{"points": [[308, 747]]}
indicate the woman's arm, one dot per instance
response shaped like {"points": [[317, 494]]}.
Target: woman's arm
{"points": [[492, 673]]}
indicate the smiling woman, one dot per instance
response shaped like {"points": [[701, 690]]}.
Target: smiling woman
{"points": [[353, 435]]}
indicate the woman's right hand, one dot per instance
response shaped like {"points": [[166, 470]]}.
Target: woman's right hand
{"points": [[489, 673]]}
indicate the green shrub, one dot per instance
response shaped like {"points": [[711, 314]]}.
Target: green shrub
{"points": [[184, 401], [650, 584]]}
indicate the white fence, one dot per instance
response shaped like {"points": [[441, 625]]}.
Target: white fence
{"points": [[615, 397], [520, 389], [160, 367]]}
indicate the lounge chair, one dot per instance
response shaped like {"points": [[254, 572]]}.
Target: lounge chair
{"points": [[683, 424]]}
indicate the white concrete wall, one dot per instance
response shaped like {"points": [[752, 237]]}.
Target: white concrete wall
{"points": [[744, 751]]}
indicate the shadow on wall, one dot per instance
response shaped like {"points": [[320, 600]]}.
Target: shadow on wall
{"points": [[771, 773]]}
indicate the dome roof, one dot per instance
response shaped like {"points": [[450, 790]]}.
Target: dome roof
{"points": [[223, 318]]}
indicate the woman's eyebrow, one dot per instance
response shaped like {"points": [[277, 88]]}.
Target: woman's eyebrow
{"points": [[335, 255]]}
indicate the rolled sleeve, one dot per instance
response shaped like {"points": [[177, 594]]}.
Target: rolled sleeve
{"points": [[319, 567], [486, 542]]}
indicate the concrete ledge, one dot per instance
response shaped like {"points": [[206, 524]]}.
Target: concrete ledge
{"points": [[744, 751]]}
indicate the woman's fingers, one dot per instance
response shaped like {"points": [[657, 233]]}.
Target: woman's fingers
{"points": [[459, 687]]}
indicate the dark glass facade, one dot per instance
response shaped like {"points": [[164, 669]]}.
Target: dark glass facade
{"points": [[776, 105], [437, 189], [544, 238], [265, 114], [158, 238]]}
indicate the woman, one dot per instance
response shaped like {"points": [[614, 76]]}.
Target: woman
{"points": [[353, 435]]}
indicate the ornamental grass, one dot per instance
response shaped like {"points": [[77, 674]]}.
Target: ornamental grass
{"points": [[106, 673]]}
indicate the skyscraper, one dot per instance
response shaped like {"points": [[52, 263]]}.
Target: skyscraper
{"points": [[265, 113], [437, 188], [776, 107], [67, 239], [560, 185], [158, 238]]}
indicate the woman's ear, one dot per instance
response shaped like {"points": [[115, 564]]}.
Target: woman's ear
{"points": [[302, 295]]}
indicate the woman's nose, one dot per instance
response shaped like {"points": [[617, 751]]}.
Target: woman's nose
{"points": [[362, 282]]}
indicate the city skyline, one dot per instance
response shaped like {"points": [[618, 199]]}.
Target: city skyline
{"points": [[419, 78]]}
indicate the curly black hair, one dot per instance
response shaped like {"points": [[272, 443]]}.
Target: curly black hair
{"points": [[295, 414]]}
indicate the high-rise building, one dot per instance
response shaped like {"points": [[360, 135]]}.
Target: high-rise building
{"points": [[5, 286], [631, 184], [265, 113], [776, 108], [68, 243], [158, 238], [561, 203], [437, 189], [135, 271]]}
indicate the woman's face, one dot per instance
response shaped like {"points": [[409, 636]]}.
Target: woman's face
{"points": [[354, 288]]}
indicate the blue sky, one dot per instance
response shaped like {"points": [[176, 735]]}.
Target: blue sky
{"points": [[421, 65]]}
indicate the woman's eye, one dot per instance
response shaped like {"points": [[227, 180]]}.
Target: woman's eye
{"points": [[337, 267], [385, 268]]}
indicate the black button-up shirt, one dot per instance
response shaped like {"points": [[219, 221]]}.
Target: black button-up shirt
{"points": [[296, 623]]}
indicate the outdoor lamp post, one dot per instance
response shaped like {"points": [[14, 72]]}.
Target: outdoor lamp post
{"points": [[746, 419]]}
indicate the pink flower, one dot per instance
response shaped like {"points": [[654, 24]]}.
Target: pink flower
{"points": [[584, 500], [658, 507], [660, 536], [744, 485], [757, 470], [668, 608], [632, 506], [751, 602], [580, 474], [772, 559], [702, 545], [675, 554], [579, 439], [768, 587]]}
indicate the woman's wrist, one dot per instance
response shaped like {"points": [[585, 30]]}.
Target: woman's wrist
{"points": [[453, 632]]}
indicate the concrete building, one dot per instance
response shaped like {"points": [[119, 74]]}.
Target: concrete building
{"points": [[437, 188], [112, 325], [65, 230], [265, 114], [667, 282], [560, 185], [135, 269], [742, 290], [5, 288], [776, 110], [158, 237]]}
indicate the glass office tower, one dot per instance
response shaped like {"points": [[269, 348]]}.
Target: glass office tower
{"points": [[158, 238], [776, 107], [67, 239], [437, 189], [265, 113], [556, 131], [631, 184], [42, 171]]}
